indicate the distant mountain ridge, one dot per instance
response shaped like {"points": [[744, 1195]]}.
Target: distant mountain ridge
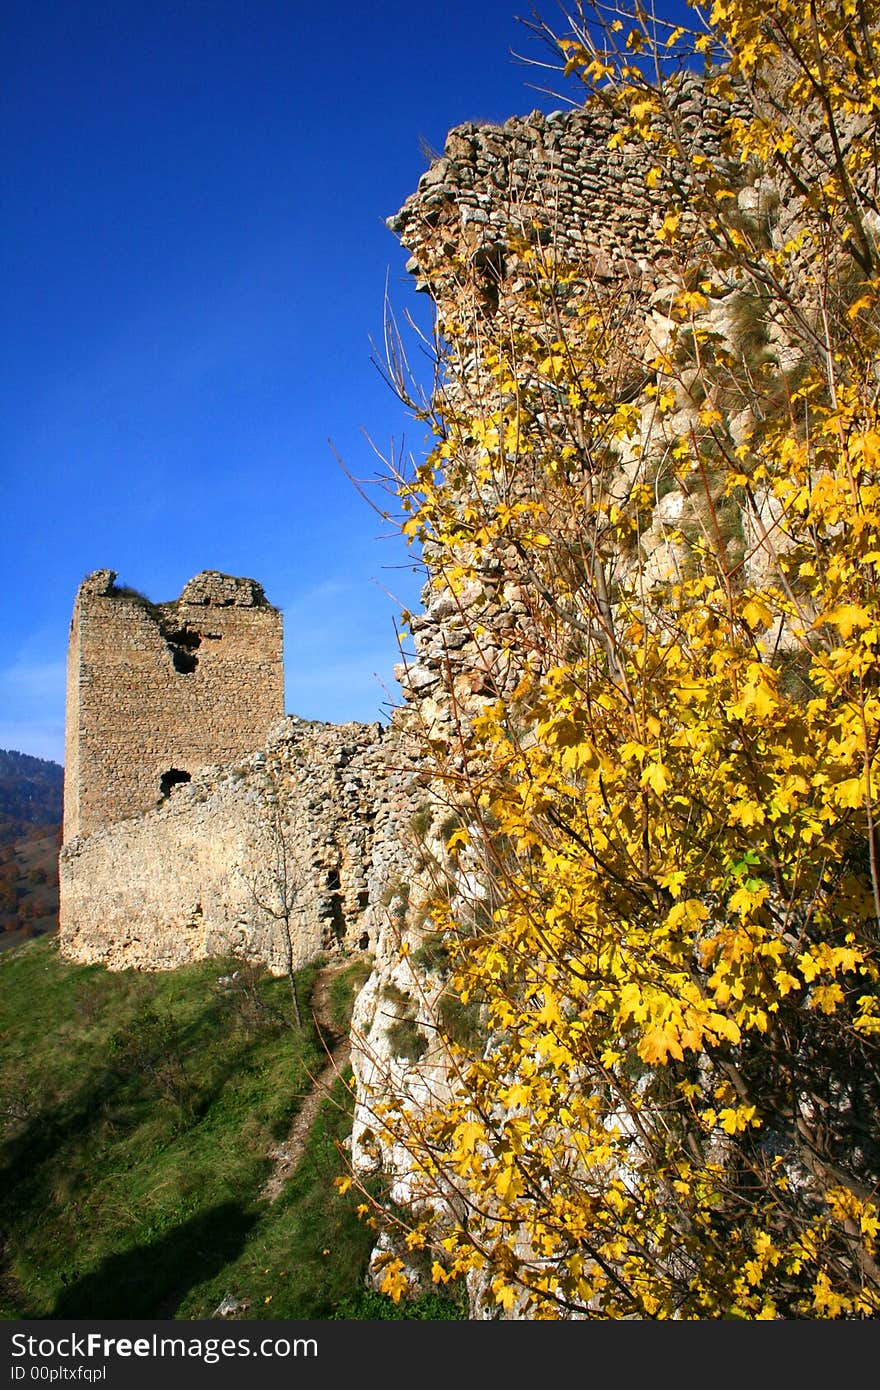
{"points": [[31, 792]]}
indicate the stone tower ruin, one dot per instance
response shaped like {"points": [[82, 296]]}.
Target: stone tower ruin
{"points": [[157, 691]]}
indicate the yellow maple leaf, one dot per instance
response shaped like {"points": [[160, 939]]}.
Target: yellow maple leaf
{"points": [[656, 776], [504, 1293], [845, 618], [468, 1134], [849, 792], [734, 1120], [668, 230], [756, 612], [509, 1183], [660, 1043]]}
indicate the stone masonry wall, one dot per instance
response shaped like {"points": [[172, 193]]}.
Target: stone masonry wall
{"points": [[496, 189], [551, 179], [495, 192], [161, 690], [318, 808]]}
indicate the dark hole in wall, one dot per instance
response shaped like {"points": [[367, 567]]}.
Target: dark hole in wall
{"points": [[489, 265], [184, 662], [182, 643], [172, 778], [334, 918]]}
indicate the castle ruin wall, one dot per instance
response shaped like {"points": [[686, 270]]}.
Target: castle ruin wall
{"points": [[302, 834], [198, 819], [155, 692], [495, 196]]}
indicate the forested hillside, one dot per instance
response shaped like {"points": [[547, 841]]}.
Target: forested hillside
{"points": [[30, 838], [30, 794]]}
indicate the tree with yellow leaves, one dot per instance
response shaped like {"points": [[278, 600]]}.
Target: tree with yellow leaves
{"points": [[662, 892]]}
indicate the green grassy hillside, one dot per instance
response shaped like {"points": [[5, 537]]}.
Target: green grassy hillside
{"points": [[138, 1116]]}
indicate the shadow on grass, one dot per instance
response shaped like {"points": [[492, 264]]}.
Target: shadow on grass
{"points": [[116, 1097], [149, 1281]]}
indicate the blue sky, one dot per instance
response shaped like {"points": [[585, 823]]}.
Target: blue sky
{"points": [[194, 195]]}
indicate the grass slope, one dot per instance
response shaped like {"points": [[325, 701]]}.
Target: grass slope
{"points": [[138, 1113]]}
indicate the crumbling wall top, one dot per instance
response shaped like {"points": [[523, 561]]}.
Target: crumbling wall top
{"points": [[98, 582], [564, 179], [210, 588], [217, 590]]}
